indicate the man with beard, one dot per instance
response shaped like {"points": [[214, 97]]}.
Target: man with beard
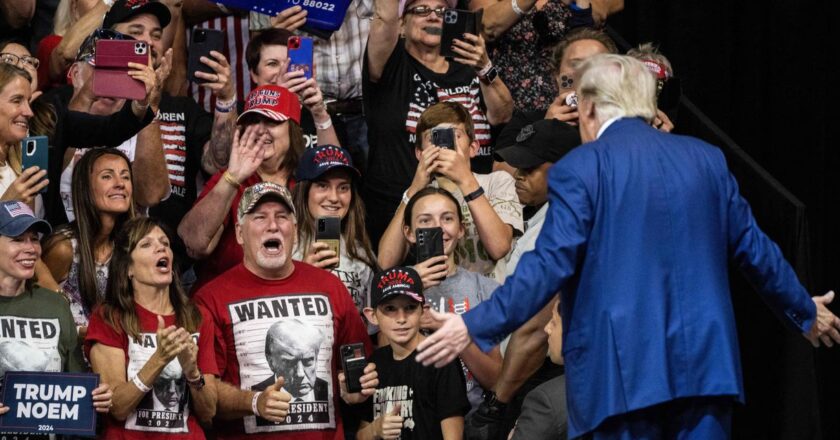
{"points": [[245, 303], [404, 76]]}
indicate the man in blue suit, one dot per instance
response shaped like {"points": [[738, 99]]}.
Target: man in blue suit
{"points": [[638, 237]]}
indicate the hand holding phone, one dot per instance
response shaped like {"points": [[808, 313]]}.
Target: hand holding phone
{"points": [[443, 137], [35, 151], [300, 55], [111, 76], [203, 41], [456, 23], [329, 231], [429, 243], [353, 362]]}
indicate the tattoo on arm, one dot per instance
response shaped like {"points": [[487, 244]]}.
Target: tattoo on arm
{"points": [[217, 153]]}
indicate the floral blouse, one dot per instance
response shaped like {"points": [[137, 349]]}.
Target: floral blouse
{"points": [[523, 55]]}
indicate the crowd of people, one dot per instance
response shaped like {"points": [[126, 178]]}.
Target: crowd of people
{"points": [[477, 228]]}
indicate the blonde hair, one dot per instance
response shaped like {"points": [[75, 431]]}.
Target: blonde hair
{"points": [[618, 85]]}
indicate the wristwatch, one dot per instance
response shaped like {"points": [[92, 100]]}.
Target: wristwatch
{"points": [[197, 383], [489, 76]]}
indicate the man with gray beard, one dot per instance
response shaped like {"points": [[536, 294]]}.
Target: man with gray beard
{"points": [[266, 293]]}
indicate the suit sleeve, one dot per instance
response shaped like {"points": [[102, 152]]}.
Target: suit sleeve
{"points": [[761, 260], [540, 418], [541, 273]]}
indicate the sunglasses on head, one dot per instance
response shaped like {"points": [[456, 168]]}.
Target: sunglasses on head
{"points": [[88, 48]]}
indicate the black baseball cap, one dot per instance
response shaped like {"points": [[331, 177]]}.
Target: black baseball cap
{"points": [[122, 10], [398, 280], [318, 160], [546, 140]]}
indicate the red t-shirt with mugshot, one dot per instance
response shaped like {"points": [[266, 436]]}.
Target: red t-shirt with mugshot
{"points": [[311, 305], [165, 411]]}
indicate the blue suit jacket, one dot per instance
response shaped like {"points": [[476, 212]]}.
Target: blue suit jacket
{"points": [[639, 232]]}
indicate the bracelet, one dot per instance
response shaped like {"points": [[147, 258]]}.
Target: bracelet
{"points": [[516, 9], [324, 125], [474, 195], [226, 106], [483, 72], [231, 180], [405, 198], [140, 385], [254, 406]]}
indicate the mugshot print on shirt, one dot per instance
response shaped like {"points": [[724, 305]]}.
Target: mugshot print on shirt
{"points": [[428, 93], [29, 344], [165, 408], [289, 336]]}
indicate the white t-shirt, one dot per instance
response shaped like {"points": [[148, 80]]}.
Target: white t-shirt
{"points": [[499, 188], [7, 176]]}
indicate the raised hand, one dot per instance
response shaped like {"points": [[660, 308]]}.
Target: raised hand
{"points": [[273, 403], [290, 19], [188, 360], [247, 152], [170, 340], [219, 83], [472, 51], [26, 186], [561, 111], [432, 271], [321, 256], [146, 74]]}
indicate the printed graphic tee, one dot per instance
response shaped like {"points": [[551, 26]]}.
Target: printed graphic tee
{"points": [[164, 412], [393, 106], [458, 294], [37, 333], [354, 274], [254, 319], [426, 395]]}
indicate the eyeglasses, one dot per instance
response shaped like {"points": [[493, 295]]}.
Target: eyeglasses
{"points": [[424, 11], [10, 58]]}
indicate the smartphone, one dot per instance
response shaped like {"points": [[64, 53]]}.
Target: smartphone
{"points": [[429, 243], [35, 153], [329, 232], [353, 363], [456, 23], [300, 55], [201, 43], [444, 137], [110, 76]]}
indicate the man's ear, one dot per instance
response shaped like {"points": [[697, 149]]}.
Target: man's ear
{"points": [[239, 234], [370, 314]]}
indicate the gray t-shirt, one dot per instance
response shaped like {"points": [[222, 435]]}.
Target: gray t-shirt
{"points": [[458, 294]]}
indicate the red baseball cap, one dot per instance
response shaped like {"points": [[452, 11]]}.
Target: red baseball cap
{"points": [[274, 102]]}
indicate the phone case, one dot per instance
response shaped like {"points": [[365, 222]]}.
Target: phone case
{"points": [[329, 231], [35, 151], [201, 43], [456, 23], [353, 363], [300, 55], [321, 14], [429, 243], [110, 77]]}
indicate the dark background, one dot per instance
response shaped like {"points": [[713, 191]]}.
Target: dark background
{"points": [[757, 81]]}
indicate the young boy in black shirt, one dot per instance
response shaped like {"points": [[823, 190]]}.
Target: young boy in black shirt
{"points": [[411, 401]]}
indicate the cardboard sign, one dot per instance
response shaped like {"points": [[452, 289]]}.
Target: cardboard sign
{"points": [[49, 403]]}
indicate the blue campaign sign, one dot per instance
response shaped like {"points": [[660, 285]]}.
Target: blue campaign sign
{"points": [[54, 403], [326, 15]]}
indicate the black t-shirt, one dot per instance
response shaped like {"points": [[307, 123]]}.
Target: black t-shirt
{"points": [[427, 395], [393, 106], [184, 129]]}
